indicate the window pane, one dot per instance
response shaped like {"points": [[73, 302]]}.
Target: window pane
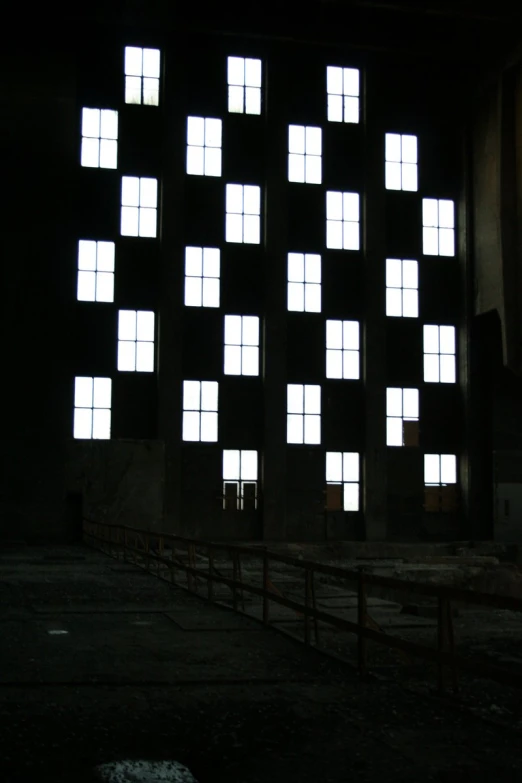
{"points": [[448, 369], [313, 141], [86, 291], [83, 392], [91, 123], [294, 428], [296, 139], [145, 357], [148, 192], [313, 170], [394, 302], [236, 70], [132, 89], [296, 267], [296, 297], [109, 124], [252, 72], [191, 425], [209, 396], [212, 132], [253, 100], [90, 153], [393, 176], [234, 228], [447, 339], [232, 364], [312, 268], [446, 214], [431, 339], [335, 108], [195, 131], [129, 221], [351, 81], [196, 161], [312, 429], [393, 147], [151, 62], [394, 272], [210, 292], [193, 261], [230, 465], [334, 364], [127, 325], [126, 356], [351, 236], [235, 199], [250, 360], [446, 242], [235, 99], [252, 228], [252, 200], [334, 234], [193, 290], [250, 330], [233, 329], [430, 212], [448, 469], [410, 274], [394, 402], [133, 61], [409, 176], [130, 191], [296, 168], [249, 465], [102, 392], [431, 368], [350, 466], [351, 365], [351, 497], [334, 80], [86, 255], [191, 396], [334, 466], [101, 424], [351, 206], [430, 241], [334, 334], [145, 325], [209, 427], [105, 257], [431, 469], [334, 205], [410, 303], [295, 398], [351, 109], [409, 149], [351, 335], [211, 262], [394, 432], [212, 162], [312, 399], [82, 423], [411, 404]]}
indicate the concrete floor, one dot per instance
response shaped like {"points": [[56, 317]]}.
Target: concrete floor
{"points": [[100, 662]]}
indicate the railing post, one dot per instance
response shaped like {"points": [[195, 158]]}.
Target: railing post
{"points": [[266, 600], [362, 642], [442, 632], [210, 584], [307, 606]]}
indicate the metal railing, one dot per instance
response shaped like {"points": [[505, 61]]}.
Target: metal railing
{"points": [[149, 547]]}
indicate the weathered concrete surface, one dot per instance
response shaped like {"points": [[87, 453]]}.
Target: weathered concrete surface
{"points": [[146, 671]]}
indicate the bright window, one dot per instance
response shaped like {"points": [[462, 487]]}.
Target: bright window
{"points": [[401, 405], [304, 282], [342, 87], [304, 154], [99, 138], [244, 85], [95, 271], [401, 162], [243, 221], [204, 146], [440, 469], [402, 288], [303, 414], [139, 206], [438, 232], [440, 361], [200, 411], [202, 270], [135, 341], [342, 468], [92, 408], [342, 349], [342, 220], [239, 480], [241, 345], [142, 75]]}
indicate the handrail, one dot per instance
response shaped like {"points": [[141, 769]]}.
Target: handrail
{"points": [[444, 656]]}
